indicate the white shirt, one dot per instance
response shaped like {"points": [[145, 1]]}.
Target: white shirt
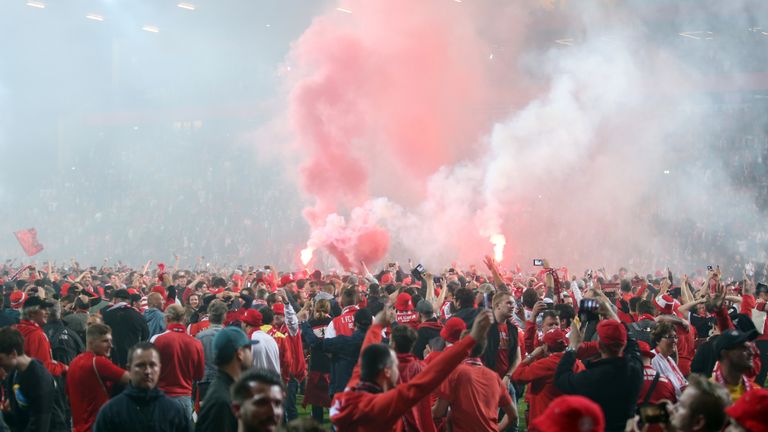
{"points": [[265, 353]]}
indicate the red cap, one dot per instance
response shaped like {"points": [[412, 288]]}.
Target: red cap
{"points": [[664, 303], [252, 317], [555, 339], [452, 330], [403, 302], [612, 332], [386, 279], [286, 279], [278, 309], [570, 413], [749, 411], [17, 299], [645, 350]]}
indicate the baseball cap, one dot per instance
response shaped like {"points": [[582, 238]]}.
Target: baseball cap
{"points": [[226, 342], [645, 350], [403, 302], [731, 339], [749, 411], [252, 317], [425, 307], [555, 339], [452, 329], [570, 413], [612, 332]]}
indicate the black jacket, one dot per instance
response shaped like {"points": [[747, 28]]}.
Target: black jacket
{"points": [[128, 328], [319, 360], [467, 315], [426, 332], [344, 351], [137, 410], [216, 409], [34, 402], [494, 339], [613, 383], [704, 360]]}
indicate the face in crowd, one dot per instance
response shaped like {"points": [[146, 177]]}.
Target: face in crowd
{"points": [[145, 368], [263, 409]]}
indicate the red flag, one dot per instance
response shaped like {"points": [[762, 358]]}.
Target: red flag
{"points": [[28, 240]]}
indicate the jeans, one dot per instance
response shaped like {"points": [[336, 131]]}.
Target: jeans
{"points": [[185, 402], [762, 346], [290, 399]]}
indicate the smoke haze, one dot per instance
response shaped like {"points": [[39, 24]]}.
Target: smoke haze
{"points": [[592, 133]]}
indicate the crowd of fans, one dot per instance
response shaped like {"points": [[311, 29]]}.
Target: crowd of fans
{"points": [[166, 349]]}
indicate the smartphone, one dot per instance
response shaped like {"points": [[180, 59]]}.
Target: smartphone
{"points": [[654, 413], [538, 262], [709, 268], [418, 271], [549, 305]]}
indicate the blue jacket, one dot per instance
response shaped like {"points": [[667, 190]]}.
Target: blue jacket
{"points": [[155, 321], [137, 410]]}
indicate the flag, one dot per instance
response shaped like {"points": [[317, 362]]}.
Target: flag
{"points": [[28, 240]]}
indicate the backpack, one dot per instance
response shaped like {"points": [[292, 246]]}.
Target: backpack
{"points": [[65, 344], [642, 330]]}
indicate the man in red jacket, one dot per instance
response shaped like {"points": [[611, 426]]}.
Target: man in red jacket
{"points": [[182, 358], [34, 314], [373, 401], [538, 369]]}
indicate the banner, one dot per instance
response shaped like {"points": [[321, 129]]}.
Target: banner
{"points": [[28, 240]]}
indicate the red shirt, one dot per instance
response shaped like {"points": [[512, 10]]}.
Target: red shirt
{"points": [[541, 375], [181, 357], [476, 406], [85, 391], [199, 326], [663, 389], [502, 357], [409, 318]]}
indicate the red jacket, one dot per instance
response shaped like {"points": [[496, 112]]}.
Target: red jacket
{"points": [[343, 324], [663, 389], [181, 357], [418, 418], [36, 345], [541, 375], [353, 410]]}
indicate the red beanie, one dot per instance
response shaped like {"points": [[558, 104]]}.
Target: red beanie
{"points": [[452, 330], [278, 309], [286, 279], [664, 303]]}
